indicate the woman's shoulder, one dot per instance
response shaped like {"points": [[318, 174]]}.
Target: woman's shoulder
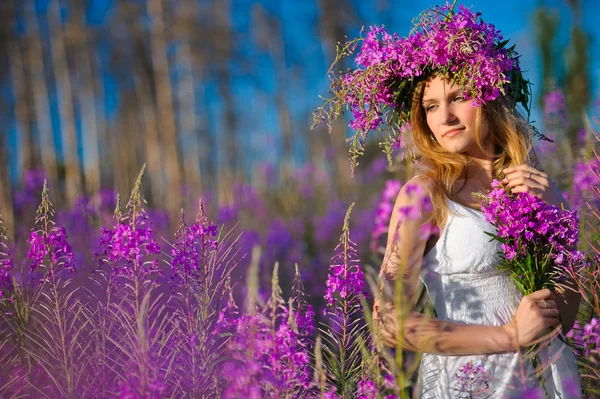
{"points": [[415, 194], [417, 185]]}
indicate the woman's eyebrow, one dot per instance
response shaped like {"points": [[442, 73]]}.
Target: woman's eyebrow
{"points": [[450, 93]]}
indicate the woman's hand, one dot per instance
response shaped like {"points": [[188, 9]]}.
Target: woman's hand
{"points": [[527, 179], [536, 313]]}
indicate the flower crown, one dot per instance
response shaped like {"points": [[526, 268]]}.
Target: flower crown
{"points": [[457, 46]]}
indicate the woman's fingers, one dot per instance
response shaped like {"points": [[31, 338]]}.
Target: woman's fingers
{"points": [[550, 321], [521, 180], [549, 313], [528, 188], [541, 294], [528, 175], [523, 169], [546, 304]]}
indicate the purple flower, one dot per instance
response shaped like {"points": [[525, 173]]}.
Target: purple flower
{"points": [[126, 248], [528, 226], [345, 281], [367, 389], [471, 380], [53, 244], [139, 386], [6, 267], [586, 182], [191, 250], [228, 316], [586, 341], [265, 363]]}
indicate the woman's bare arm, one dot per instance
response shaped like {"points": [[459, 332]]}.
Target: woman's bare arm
{"points": [[404, 254]]}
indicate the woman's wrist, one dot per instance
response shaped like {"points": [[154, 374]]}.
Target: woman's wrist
{"points": [[507, 338]]}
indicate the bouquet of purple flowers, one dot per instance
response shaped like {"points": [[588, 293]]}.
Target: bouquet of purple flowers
{"points": [[538, 240]]}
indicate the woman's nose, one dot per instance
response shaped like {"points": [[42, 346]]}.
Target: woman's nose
{"points": [[447, 115]]}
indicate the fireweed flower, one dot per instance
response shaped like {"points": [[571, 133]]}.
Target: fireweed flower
{"points": [[586, 180], [471, 380], [586, 341], [6, 265], [345, 280], [6, 285], [190, 251], [344, 295], [304, 313], [263, 364], [126, 247], [528, 226], [53, 244], [228, 316], [367, 389]]}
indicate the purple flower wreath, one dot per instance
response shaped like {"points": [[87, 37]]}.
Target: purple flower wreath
{"points": [[457, 46]]}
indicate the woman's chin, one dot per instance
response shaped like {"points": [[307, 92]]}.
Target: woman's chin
{"points": [[456, 149]]}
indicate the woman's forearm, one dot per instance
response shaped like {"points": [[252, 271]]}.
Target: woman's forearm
{"points": [[430, 335]]}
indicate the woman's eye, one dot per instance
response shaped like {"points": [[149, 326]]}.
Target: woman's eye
{"points": [[459, 98], [430, 108]]}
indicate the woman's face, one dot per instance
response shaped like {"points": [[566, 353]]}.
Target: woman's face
{"points": [[451, 118]]}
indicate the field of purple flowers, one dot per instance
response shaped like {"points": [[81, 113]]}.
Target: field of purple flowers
{"points": [[265, 296]]}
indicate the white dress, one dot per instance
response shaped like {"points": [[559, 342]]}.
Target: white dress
{"points": [[464, 285]]}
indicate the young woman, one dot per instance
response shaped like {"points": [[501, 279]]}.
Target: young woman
{"points": [[455, 86], [482, 321]]}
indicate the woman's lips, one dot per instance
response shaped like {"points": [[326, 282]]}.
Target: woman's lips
{"points": [[453, 132]]}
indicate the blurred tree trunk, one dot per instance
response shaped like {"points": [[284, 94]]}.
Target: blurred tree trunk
{"points": [[126, 164], [546, 27], [77, 34], [20, 75], [153, 153], [578, 83], [64, 96], [135, 71], [335, 17], [269, 37], [6, 190], [230, 150], [9, 44], [164, 104], [186, 99], [200, 50], [40, 95]]}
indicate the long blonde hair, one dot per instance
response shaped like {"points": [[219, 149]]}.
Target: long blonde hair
{"points": [[512, 145]]}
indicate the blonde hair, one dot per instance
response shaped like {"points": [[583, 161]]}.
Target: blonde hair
{"points": [[511, 139]]}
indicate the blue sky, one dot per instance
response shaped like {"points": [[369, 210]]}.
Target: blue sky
{"points": [[255, 75]]}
